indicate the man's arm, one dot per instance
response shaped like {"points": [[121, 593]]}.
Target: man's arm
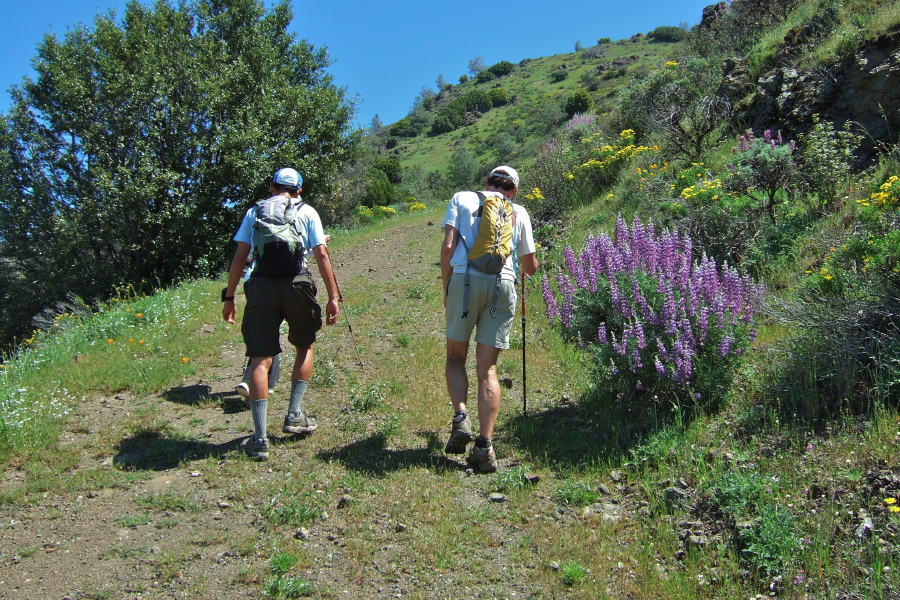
{"points": [[324, 262], [529, 263], [238, 264], [448, 247]]}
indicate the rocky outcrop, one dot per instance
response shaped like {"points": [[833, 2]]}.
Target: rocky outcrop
{"points": [[864, 91]]}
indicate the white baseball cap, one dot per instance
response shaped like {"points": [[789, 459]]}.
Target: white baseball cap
{"points": [[507, 173], [287, 176]]}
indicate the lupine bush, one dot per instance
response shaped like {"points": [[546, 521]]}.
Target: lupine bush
{"points": [[762, 168], [662, 326]]}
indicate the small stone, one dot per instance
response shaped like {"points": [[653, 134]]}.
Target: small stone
{"points": [[222, 504], [301, 534], [554, 565], [865, 529], [324, 516], [533, 479], [330, 537], [617, 475], [400, 528], [195, 474], [697, 541], [497, 497], [344, 500]]}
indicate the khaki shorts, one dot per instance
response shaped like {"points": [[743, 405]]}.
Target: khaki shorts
{"points": [[272, 300], [490, 331]]}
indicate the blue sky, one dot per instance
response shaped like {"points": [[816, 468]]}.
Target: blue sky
{"points": [[385, 52]]}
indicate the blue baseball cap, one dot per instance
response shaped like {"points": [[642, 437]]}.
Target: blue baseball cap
{"points": [[287, 176]]}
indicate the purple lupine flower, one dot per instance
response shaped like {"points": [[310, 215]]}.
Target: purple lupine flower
{"points": [[663, 353], [725, 346], [660, 368], [636, 360], [767, 135], [567, 310], [601, 334], [638, 332], [550, 301]]}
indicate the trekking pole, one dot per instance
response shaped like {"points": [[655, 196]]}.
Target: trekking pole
{"points": [[524, 370], [346, 312]]}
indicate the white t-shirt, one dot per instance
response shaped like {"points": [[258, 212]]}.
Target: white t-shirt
{"points": [[461, 215], [311, 232]]}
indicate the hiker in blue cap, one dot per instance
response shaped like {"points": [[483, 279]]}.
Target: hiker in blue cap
{"points": [[484, 234], [280, 230]]}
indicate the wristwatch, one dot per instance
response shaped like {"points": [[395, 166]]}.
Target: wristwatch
{"points": [[226, 298]]}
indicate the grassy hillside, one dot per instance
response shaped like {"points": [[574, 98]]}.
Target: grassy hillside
{"points": [[532, 86]]}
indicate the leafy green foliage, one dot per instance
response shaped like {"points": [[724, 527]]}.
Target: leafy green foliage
{"points": [[579, 101], [667, 34], [390, 166], [763, 167], [498, 97], [504, 67], [134, 153], [827, 158], [379, 190]]}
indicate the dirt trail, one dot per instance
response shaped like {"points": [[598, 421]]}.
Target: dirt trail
{"points": [[187, 522]]}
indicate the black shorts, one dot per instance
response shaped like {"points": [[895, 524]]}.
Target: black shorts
{"points": [[273, 300]]}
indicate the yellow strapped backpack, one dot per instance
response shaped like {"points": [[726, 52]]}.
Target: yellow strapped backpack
{"points": [[494, 242]]}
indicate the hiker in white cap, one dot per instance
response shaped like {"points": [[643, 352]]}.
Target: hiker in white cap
{"points": [[484, 235], [280, 230]]}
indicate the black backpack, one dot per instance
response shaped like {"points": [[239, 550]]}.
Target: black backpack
{"points": [[276, 237]]}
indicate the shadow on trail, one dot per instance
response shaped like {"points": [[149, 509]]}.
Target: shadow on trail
{"points": [[156, 450], [587, 432], [370, 456], [195, 395]]}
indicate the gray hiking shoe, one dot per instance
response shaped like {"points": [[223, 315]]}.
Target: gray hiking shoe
{"points": [[258, 449], [299, 424], [483, 459], [460, 435]]}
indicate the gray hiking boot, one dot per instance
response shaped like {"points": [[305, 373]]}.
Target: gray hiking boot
{"points": [[460, 435], [483, 459], [258, 449], [299, 424]]}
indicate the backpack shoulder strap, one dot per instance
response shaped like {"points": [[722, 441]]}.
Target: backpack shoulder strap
{"points": [[478, 213]]}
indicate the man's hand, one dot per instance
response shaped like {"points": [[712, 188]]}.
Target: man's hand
{"points": [[332, 310], [229, 311]]}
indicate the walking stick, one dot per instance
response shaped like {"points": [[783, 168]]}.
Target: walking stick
{"points": [[524, 370], [346, 312]]}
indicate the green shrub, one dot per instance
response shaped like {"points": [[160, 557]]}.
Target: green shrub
{"points": [[498, 97], [379, 191], [579, 101], [504, 67], [390, 166], [559, 73], [763, 168], [667, 34], [484, 77], [771, 544], [403, 128], [827, 159]]}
